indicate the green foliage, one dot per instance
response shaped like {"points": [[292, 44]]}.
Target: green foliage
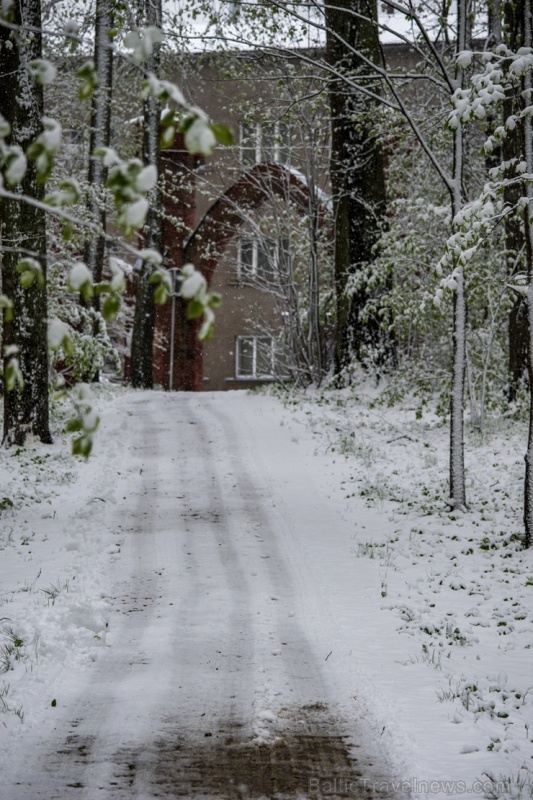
{"points": [[88, 80], [7, 305], [200, 301], [6, 502], [12, 372], [30, 271], [12, 650], [45, 148], [84, 423]]}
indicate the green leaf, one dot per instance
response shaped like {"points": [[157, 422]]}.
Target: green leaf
{"points": [[53, 703], [195, 309], [208, 334], [86, 290], [215, 300], [222, 133], [89, 80], [110, 307], [26, 279], [13, 375], [73, 425], [68, 230], [102, 288], [161, 294], [82, 446], [167, 137], [30, 270]]}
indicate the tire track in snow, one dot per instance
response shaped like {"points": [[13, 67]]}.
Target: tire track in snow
{"points": [[211, 688]]}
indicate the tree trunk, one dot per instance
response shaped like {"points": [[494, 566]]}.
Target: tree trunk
{"points": [[357, 172], [23, 229], [457, 458], [142, 343], [513, 147], [99, 137], [528, 226]]}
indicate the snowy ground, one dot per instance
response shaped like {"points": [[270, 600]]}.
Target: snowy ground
{"points": [[244, 597]]}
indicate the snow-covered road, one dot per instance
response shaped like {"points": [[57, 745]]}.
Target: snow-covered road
{"points": [[229, 668]]}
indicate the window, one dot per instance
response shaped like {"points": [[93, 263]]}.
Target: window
{"points": [[263, 259], [255, 357], [264, 142]]}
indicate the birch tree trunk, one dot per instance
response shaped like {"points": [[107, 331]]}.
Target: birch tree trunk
{"points": [[99, 137], [457, 459], [23, 232], [142, 343]]}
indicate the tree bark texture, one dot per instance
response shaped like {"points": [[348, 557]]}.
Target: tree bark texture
{"points": [[142, 344], [528, 226], [513, 147], [99, 137], [23, 230], [457, 394], [357, 171]]}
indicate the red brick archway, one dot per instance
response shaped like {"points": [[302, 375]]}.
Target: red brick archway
{"points": [[203, 249]]}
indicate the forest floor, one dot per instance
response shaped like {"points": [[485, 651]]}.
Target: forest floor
{"points": [[247, 596]]}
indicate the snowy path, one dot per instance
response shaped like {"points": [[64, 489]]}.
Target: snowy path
{"points": [[221, 678]]}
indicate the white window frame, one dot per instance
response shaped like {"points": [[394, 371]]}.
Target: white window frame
{"points": [[255, 142], [251, 272], [254, 376]]}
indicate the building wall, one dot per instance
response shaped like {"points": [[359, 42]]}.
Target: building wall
{"points": [[228, 96], [245, 311]]}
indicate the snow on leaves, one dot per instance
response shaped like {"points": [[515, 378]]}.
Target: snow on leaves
{"points": [[498, 77], [201, 135], [30, 270], [45, 148], [42, 71], [201, 302], [80, 281], [471, 226], [128, 182], [88, 80], [12, 372], [142, 43], [13, 162], [84, 423]]}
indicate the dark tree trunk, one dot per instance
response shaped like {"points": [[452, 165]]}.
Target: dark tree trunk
{"points": [[99, 137], [515, 244], [23, 229], [142, 343], [357, 171], [527, 83]]}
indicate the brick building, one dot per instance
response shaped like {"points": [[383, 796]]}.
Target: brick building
{"points": [[240, 217]]}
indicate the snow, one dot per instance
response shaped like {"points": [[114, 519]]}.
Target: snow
{"points": [[146, 179], [135, 213], [79, 276], [227, 561], [58, 332]]}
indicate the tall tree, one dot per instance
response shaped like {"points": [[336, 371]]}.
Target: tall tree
{"points": [[99, 136], [144, 320], [526, 98], [357, 169], [512, 148], [23, 230], [457, 394]]}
